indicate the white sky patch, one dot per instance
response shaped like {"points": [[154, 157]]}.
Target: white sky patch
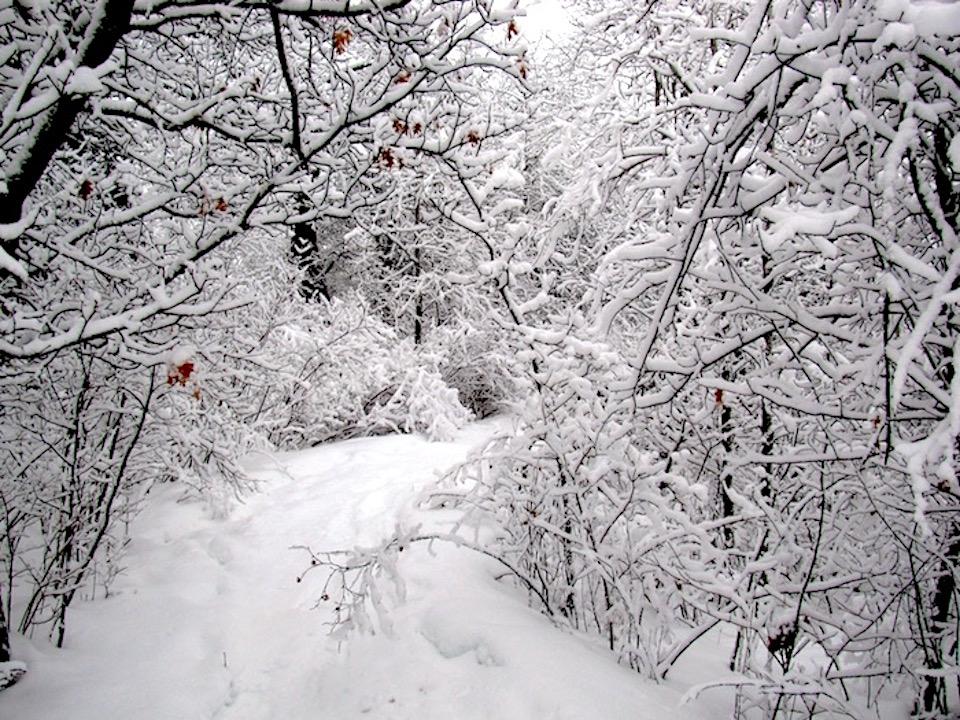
{"points": [[544, 19]]}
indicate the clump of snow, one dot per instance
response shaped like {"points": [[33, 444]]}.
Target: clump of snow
{"points": [[931, 17], [180, 354], [828, 91], [788, 223], [892, 9], [891, 286], [84, 81], [898, 34], [12, 265], [928, 17], [556, 154], [954, 153], [12, 231], [517, 231]]}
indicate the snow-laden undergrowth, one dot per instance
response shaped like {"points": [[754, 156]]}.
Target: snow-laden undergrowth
{"points": [[209, 620]]}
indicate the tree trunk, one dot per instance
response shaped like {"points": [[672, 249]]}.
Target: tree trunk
{"points": [[935, 690], [51, 131], [4, 635], [418, 304], [726, 478]]}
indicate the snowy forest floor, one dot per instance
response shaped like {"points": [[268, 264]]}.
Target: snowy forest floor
{"points": [[208, 620]]}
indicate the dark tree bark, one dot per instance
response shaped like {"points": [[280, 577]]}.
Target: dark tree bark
{"points": [[305, 249], [4, 636], [935, 691], [51, 133], [418, 304]]}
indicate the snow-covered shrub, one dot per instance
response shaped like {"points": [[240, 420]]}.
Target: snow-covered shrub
{"points": [[327, 364], [786, 234], [120, 225], [74, 474], [339, 371], [197, 441], [420, 402], [749, 417], [584, 510], [478, 363]]}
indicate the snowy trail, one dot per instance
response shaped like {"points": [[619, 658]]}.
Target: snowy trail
{"points": [[209, 623]]}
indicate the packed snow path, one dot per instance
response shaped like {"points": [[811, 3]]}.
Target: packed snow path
{"points": [[208, 621]]}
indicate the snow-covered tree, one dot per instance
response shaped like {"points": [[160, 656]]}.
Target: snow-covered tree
{"points": [[748, 416], [150, 154]]}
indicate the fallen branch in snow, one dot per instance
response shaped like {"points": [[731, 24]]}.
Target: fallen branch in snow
{"points": [[357, 576], [11, 672], [800, 688]]}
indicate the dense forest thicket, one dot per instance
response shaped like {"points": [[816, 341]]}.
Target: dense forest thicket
{"points": [[705, 250]]}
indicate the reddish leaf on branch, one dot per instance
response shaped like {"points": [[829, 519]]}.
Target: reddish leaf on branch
{"points": [[221, 205], [417, 128], [387, 158], [180, 374], [399, 126], [512, 29], [473, 137], [718, 396], [402, 77], [86, 189], [341, 39]]}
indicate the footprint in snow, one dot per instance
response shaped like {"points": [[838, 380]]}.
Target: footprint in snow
{"points": [[452, 642]]}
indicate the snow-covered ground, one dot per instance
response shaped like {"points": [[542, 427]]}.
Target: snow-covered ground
{"points": [[209, 621]]}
